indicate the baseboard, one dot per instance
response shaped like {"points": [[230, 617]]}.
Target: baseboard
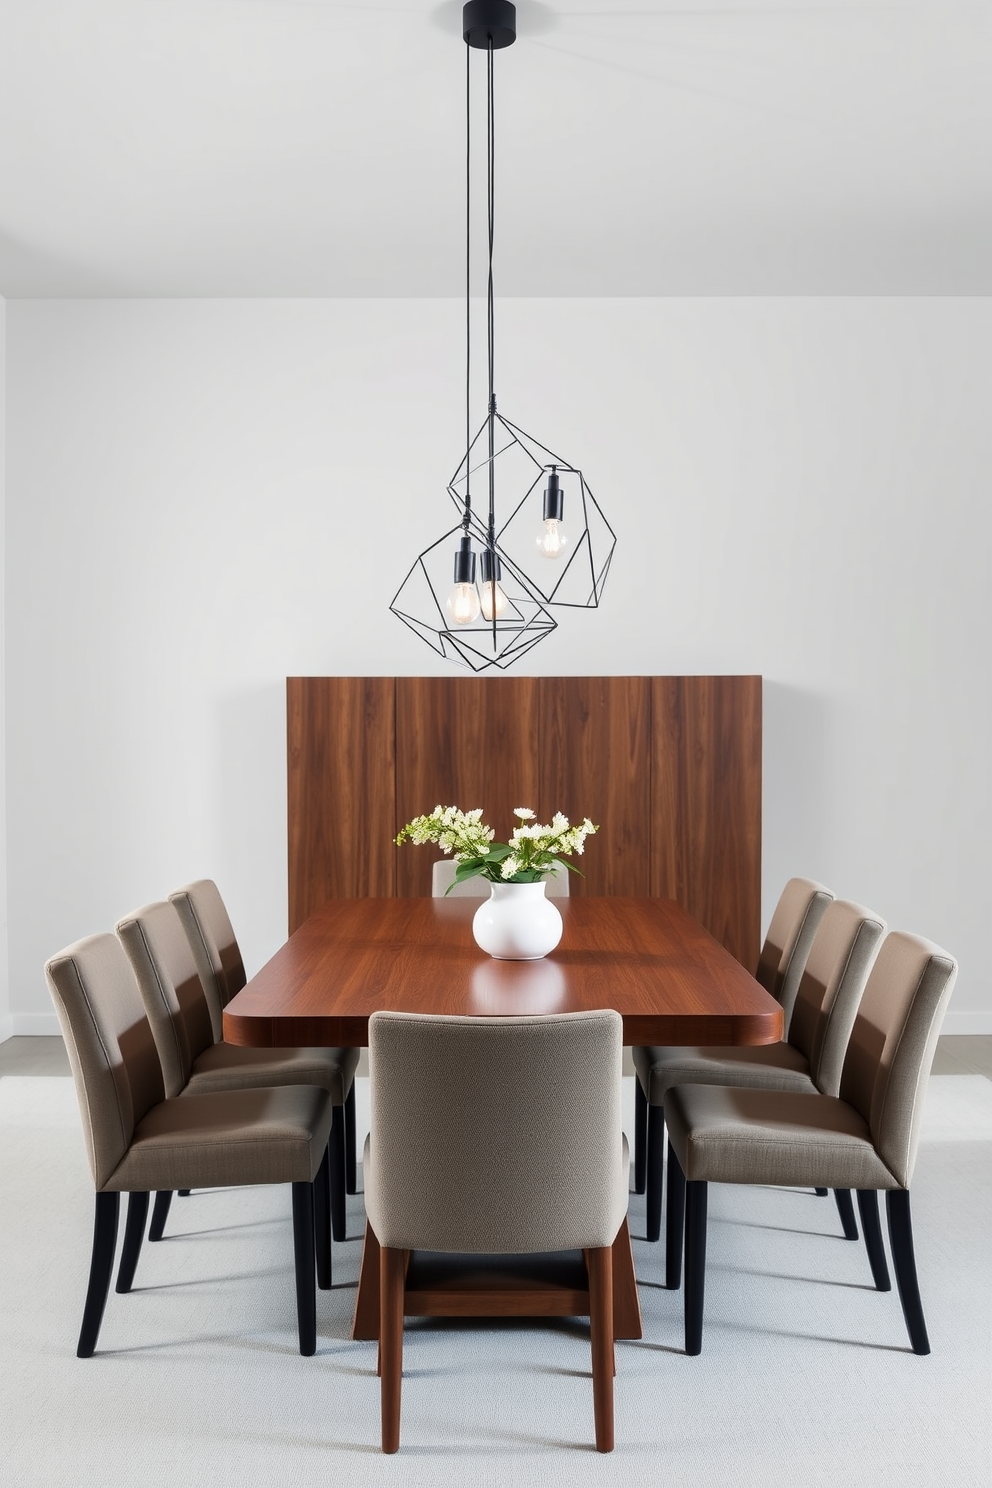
{"points": [[6, 1027], [966, 1022], [33, 1025]]}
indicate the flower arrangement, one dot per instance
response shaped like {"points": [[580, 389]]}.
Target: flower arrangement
{"points": [[529, 856]]}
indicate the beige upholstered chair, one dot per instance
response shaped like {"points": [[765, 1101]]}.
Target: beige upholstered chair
{"points": [[496, 1136], [800, 909], [834, 977], [218, 959], [192, 1063], [137, 1140], [865, 1138], [443, 883]]}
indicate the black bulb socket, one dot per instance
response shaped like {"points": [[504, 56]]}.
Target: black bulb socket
{"points": [[490, 567], [465, 562], [554, 500]]}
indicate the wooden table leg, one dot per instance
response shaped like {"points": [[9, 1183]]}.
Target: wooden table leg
{"points": [[365, 1324], [626, 1303]]}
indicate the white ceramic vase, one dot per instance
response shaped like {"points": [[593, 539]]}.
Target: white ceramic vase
{"points": [[517, 922]]}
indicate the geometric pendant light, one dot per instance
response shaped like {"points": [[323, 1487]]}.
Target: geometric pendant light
{"points": [[482, 593]]}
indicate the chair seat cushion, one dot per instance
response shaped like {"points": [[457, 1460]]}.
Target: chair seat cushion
{"points": [[762, 1067], [229, 1067], [724, 1134], [245, 1136]]}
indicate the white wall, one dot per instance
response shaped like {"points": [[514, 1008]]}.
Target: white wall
{"points": [[6, 1019], [203, 497]]}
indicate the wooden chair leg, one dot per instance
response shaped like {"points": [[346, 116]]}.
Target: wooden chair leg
{"points": [[134, 1233], [845, 1208], [336, 1148], [600, 1266], [303, 1251], [322, 1222], [160, 1213], [108, 1208], [904, 1262], [655, 1168], [674, 1223], [351, 1148], [640, 1136], [872, 1231], [695, 1265], [392, 1265]]}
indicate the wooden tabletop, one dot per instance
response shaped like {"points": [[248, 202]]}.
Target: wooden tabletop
{"points": [[668, 978]]}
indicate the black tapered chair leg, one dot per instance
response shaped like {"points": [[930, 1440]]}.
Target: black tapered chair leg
{"points": [[845, 1208], [695, 1265], [674, 1222], [303, 1252], [872, 1230], [655, 1169], [322, 1221], [108, 1208], [134, 1233], [184, 1193], [640, 1136], [160, 1213], [821, 1193], [336, 1148], [904, 1262], [351, 1145]]}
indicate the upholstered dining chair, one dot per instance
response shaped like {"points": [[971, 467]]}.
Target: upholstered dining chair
{"points": [[801, 906], [865, 1138], [443, 883], [138, 1140], [193, 1063], [219, 961], [836, 970], [495, 1136]]}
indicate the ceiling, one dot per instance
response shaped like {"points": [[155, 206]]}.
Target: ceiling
{"points": [[311, 148]]}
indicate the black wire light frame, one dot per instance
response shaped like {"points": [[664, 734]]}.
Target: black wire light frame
{"points": [[514, 613]]}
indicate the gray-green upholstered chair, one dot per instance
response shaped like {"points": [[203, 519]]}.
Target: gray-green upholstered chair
{"points": [[865, 1138], [194, 1064], [801, 906], [219, 961], [443, 883], [137, 1140], [837, 964], [495, 1136]]}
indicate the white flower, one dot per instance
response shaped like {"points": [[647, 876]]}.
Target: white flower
{"points": [[524, 813], [511, 865]]}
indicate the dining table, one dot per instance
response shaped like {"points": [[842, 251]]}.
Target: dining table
{"points": [[669, 979]]}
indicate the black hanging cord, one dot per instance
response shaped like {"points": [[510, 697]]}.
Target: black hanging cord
{"points": [[490, 173], [468, 286]]}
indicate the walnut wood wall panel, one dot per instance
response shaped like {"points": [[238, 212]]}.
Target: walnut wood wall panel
{"points": [[341, 768], [670, 768], [706, 804], [596, 762], [463, 741]]}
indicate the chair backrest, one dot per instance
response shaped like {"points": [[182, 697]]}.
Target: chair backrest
{"points": [[783, 956], [837, 968], [443, 874], [214, 945], [112, 1052], [171, 990], [893, 1042], [498, 1135]]}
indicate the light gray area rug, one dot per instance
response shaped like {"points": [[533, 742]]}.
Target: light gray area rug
{"points": [[806, 1376]]}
